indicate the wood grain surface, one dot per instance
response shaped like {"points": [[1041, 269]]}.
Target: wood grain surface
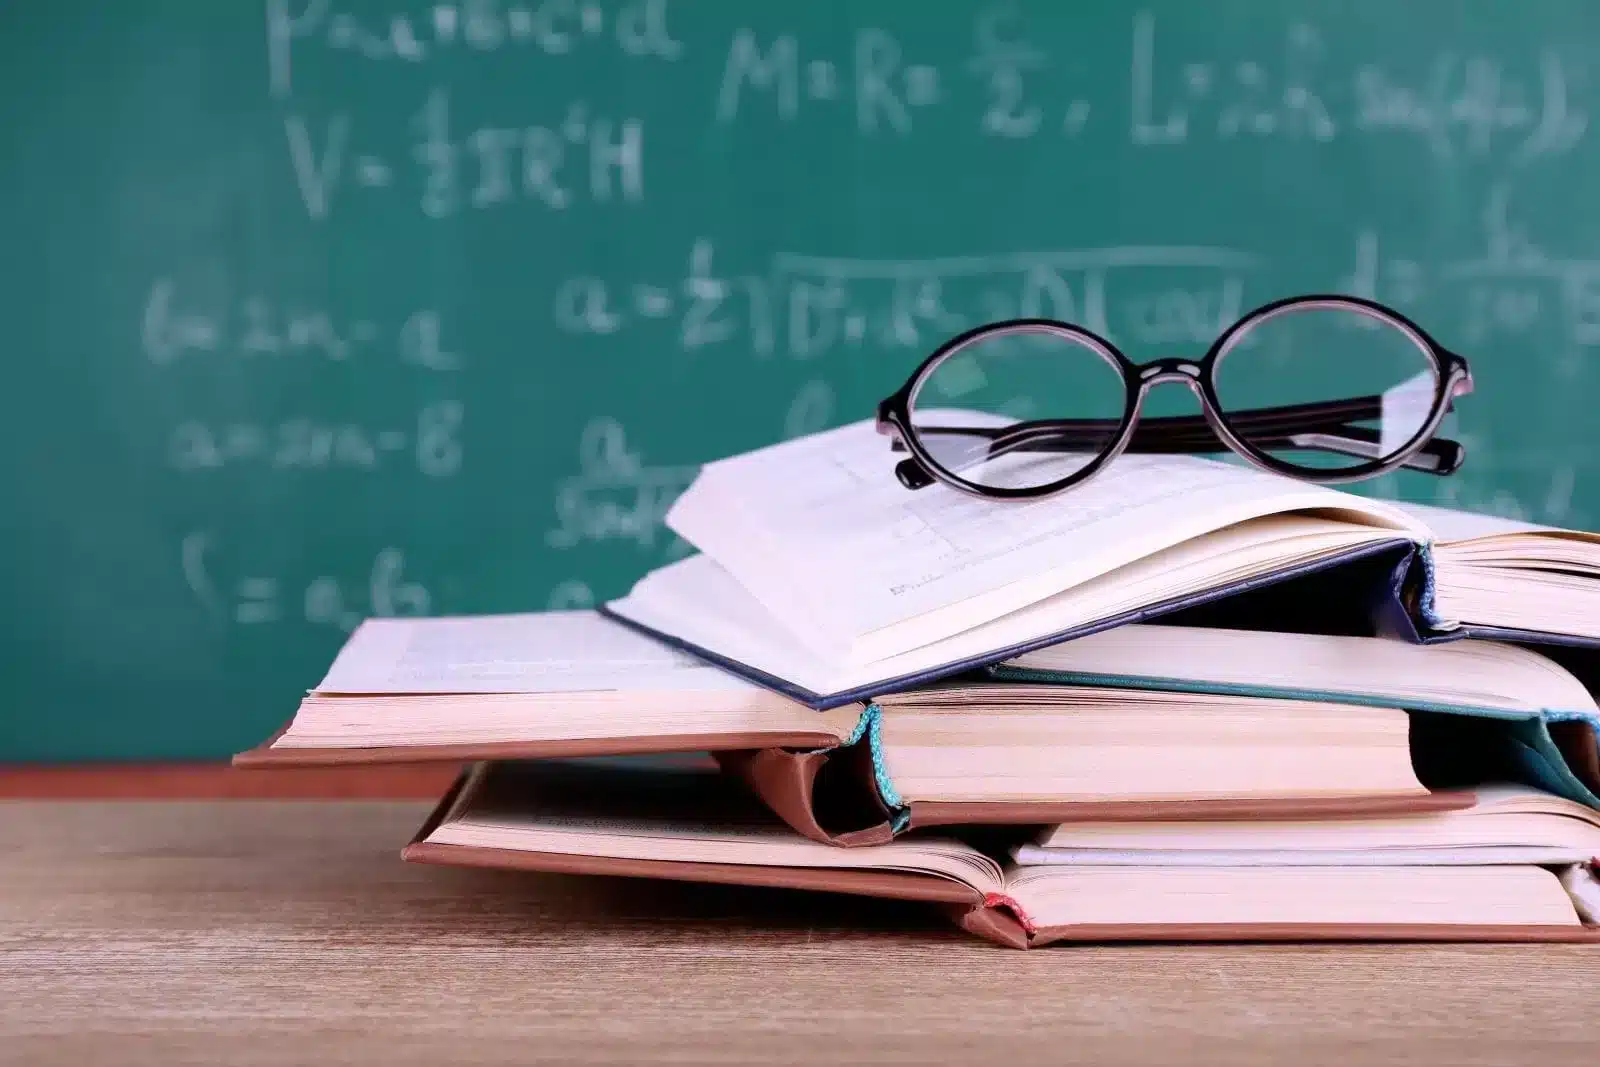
{"points": [[215, 780], [280, 932]]}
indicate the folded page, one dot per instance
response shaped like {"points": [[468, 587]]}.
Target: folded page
{"points": [[819, 531]]}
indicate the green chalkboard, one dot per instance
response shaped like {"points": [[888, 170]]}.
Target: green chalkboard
{"points": [[315, 309]]}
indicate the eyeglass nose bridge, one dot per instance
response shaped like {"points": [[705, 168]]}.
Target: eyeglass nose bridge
{"points": [[1168, 370]]}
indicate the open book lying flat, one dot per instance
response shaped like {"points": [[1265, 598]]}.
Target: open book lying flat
{"points": [[822, 577], [576, 684], [695, 827]]}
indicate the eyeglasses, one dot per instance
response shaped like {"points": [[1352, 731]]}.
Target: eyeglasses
{"points": [[1027, 408]]}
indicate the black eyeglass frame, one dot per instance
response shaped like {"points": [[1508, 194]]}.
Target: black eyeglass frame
{"points": [[1205, 433]]}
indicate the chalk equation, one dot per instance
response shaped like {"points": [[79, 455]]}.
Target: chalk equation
{"points": [[175, 330], [1015, 82], [430, 445], [1019, 82], [1017, 78], [575, 155], [615, 496], [320, 600], [1457, 104], [420, 33], [882, 88], [805, 306]]}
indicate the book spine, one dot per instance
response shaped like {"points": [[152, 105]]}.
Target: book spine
{"points": [[900, 812], [825, 795], [1544, 764], [1428, 593], [1391, 616], [839, 796], [997, 919]]}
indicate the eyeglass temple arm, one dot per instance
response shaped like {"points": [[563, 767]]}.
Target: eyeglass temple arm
{"points": [[1318, 426]]}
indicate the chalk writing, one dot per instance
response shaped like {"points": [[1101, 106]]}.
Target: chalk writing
{"points": [[1027, 82], [1469, 105], [882, 87], [806, 306], [1456, 104], [1241, 98], [321, 600], [614, 496], [575, 155], [428, 32], [173, 330], [431, 444], [1003, 60]]}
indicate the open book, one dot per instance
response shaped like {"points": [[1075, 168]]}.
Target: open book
{"points": [[1496, 577], [693, 827], [524, 686], [823, 577], [573, 683], [1465, 677], [1542, 720], [1505, 824]]}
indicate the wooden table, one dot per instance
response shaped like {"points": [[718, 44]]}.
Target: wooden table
{"points": [[289, 932]]}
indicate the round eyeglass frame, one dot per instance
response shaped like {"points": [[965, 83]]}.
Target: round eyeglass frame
{"points": [[1452, 378]]}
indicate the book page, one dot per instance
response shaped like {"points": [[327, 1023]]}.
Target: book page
{"points": [[1503, 815], [819, 530], [1062, 896], [1421, 856], [697, 601], [1450, 524], [1473, 674], [647, 839], [544, 652]]}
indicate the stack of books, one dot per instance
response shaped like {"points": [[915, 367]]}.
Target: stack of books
{"points": [[1352, 719]]}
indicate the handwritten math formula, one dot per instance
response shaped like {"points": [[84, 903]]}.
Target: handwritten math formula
{"points": [[1009, 81], [802, 307], [258, 600]]}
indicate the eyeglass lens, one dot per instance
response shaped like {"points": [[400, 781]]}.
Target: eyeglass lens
{"points": [[1320, 386], [984, 412], [1373, 380]]}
